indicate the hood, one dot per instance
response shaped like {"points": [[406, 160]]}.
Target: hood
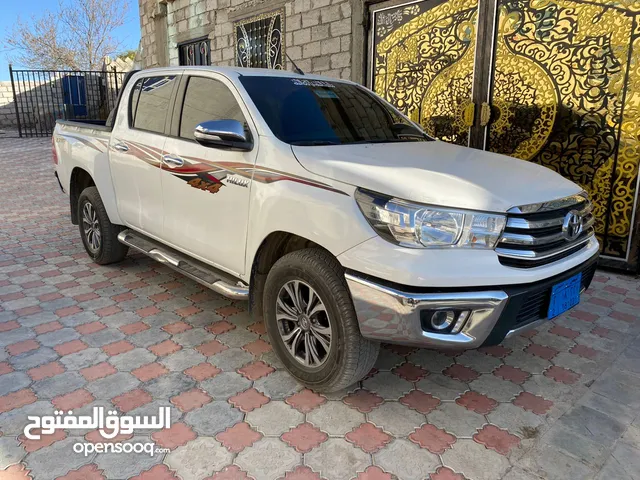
{"points": [[438, 173]]}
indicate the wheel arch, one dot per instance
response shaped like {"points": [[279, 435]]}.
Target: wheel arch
{"points": [[273, 247], [80, 179]]}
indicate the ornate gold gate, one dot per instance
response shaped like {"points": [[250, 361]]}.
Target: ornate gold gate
{"points": [[561, 80], [424, 56]]}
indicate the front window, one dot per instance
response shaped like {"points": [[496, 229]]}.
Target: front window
{"points": [[318, 112]]}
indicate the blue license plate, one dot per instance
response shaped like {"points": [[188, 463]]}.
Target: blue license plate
{"points": [[564, 296]]}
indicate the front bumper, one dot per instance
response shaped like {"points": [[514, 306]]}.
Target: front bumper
{"points": [[392, 313]]}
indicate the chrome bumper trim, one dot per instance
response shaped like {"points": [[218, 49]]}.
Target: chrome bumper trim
{"points": [[525, 328], [389, 315]]}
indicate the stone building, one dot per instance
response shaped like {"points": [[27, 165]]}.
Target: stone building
{"points": [[556, 82], [321, 36]]}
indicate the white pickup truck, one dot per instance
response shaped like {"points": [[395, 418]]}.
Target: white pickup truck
{"points": [[340, 221]]}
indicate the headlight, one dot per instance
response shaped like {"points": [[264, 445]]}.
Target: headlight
{"points": [[419, 226]]}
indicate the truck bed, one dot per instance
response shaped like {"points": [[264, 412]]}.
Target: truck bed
{"points": [[100, 125]]}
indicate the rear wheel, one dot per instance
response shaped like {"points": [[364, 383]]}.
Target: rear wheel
{"points": [[312, 324], [99, 235]]}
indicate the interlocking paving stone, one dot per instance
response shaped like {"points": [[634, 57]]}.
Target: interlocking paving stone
{"points": [[442, 387], [10, 452], [456, 419], [56, 460], [149, 337], [388, 385], [12, 382], [406, 459], [225, 385], [475, 460], [396, 418], [129, 361], [125, 465], [182, 359], [269, 458], [231, 359], [53, 294], [275, 418], [213, 418], [278, 385], [83, 359], [14, 421], [199, 458], [104, 337], [59, 336], [495, 387], [335, 418], [113, 385], [169, 385], [58, 385]]}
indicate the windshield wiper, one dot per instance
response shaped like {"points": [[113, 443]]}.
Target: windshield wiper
{"points": [[314, 143], [388, 140]]}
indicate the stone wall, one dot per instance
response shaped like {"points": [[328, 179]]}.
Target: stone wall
{"points": [[321, 36], [7, 108]]}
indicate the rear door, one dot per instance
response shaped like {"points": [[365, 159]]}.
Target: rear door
{"points": [[206, 190], [136, 152]]}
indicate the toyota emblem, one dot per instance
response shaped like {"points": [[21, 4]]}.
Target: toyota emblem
{"points": [[572, 225]]}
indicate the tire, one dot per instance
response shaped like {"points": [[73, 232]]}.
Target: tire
{"points": [[107, 249], [349, 356]]}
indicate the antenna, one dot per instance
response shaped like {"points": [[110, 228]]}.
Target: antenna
{"points": [[295, 67]]}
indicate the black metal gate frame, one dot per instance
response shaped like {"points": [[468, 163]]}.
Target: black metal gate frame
{"points": [[38, 98]]}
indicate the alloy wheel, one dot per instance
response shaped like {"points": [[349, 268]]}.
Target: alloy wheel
{"points": [[91, 227], [303, 324]]}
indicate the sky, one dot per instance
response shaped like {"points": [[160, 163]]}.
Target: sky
{"points": [[128, 34]]}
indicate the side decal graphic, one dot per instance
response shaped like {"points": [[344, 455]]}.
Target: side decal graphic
{"points": [[209, 176]]}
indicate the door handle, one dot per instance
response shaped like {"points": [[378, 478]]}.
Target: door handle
{"points": [[172, 161], [121, 147], [485, 114]]}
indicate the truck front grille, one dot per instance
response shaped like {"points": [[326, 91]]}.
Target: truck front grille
{"points": [[541, 234]]}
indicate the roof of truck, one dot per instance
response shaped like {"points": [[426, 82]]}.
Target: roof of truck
{"points": [[240, 71]]}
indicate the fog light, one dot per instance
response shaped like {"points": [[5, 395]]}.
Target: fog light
{"points": [[442, 319], [462, 318]]}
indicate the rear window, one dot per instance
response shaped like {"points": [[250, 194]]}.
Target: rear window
{"points": [[150, 101], [318, 112]]}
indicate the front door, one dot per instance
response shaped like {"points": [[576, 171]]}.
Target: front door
{"points": [[206, 190]]}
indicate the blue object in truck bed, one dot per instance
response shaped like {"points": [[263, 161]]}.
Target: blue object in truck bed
{"points": [[75, 96]]}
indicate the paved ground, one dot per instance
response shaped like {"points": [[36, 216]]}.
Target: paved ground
{"points": [[561, 402]]}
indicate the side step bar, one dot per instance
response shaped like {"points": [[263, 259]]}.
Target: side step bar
{"points": [[202, 273]]}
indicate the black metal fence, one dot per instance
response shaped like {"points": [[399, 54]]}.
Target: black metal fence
{"points": [[41, 97]]}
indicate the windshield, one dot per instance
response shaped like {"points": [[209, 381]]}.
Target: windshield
{"points": [[317, 112]]}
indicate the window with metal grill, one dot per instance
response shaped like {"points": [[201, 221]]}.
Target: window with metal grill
{"points": [[259, 41], [195, 52]]}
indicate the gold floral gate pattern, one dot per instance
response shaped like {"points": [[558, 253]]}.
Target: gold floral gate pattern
{"points": [[567, 96], [424, 64], [565, 88]]}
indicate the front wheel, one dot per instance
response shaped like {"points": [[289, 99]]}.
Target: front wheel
{"points": [[312, 324], [99, 235]]}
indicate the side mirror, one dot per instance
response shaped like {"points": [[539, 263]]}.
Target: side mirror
{"points": [[225, 134]]}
